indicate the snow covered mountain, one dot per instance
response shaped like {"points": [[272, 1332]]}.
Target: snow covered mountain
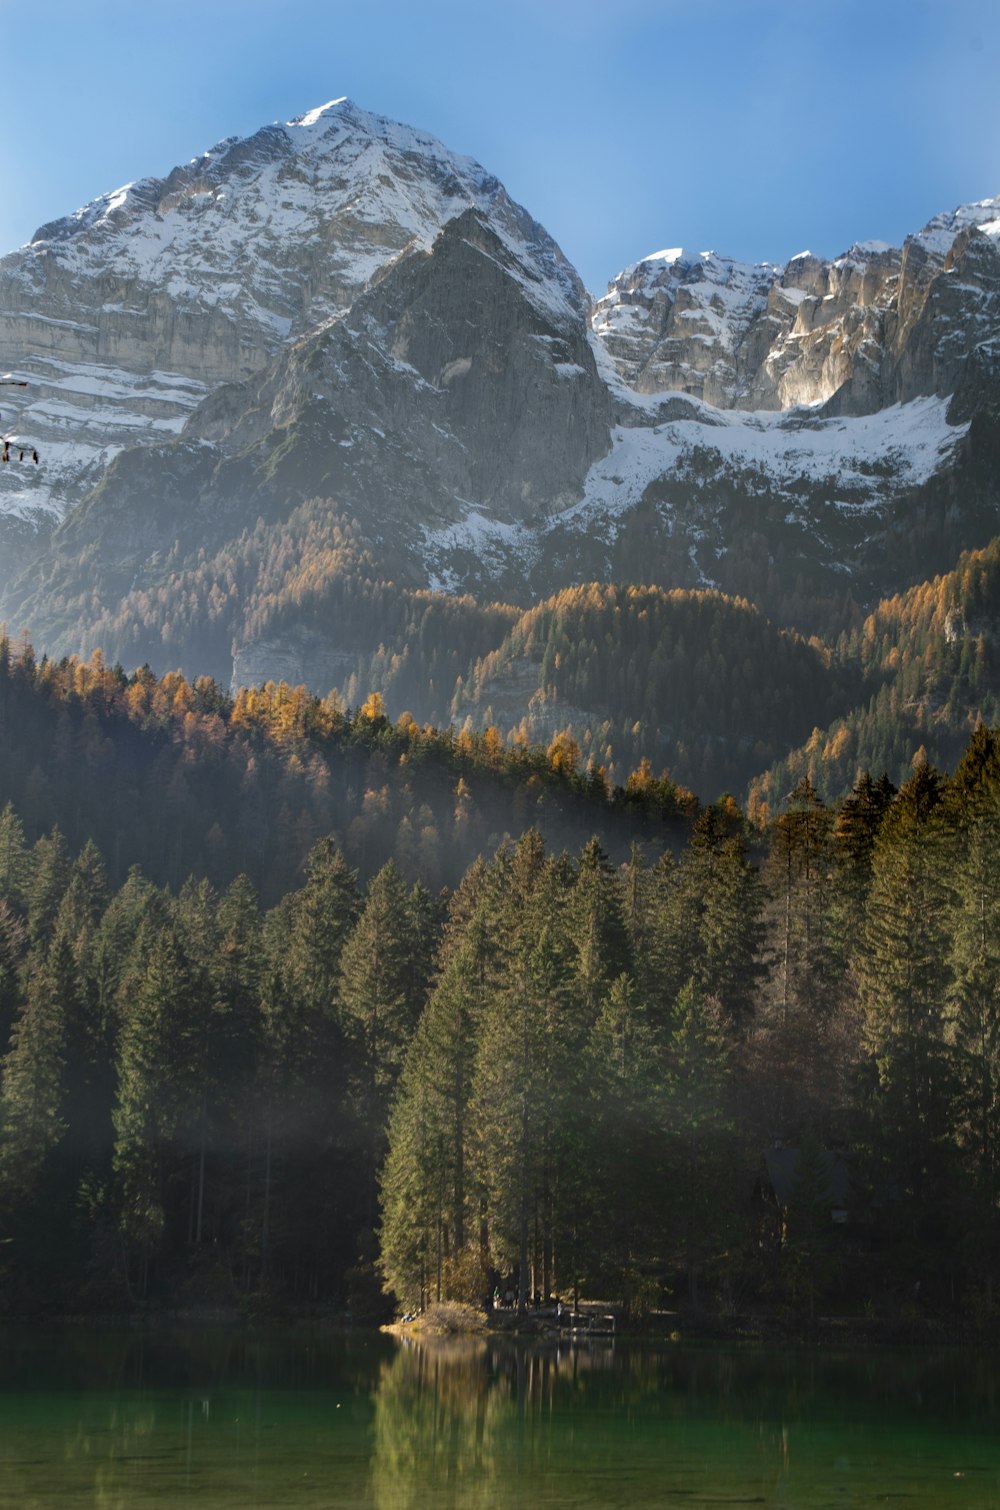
{"points": [[124, 315], [340, 307], [877, 326]]}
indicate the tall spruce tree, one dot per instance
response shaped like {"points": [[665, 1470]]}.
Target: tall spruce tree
{"points": [[972, 803], [14, 861], [33, 1085], [159, 1108], [902, 972], [799, 874], [13, 942], [728, 965], [428, 1241], [853, 839], [377, 985], [599, 929], [701, 1165], [48, 877], [322, 915], [378, 1014], [618, 1198], [524, 1074]]}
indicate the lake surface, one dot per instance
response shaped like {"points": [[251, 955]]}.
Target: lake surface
{"points": [[223, 1420]]}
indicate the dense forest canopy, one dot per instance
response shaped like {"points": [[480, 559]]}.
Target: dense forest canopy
{"points": [[319, 1077], [507, 802]]}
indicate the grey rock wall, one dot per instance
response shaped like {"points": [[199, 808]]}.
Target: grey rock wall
{"points": [[874, 327]]}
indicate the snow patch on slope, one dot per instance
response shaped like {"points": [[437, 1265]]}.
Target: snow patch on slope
{"points": [[80, 415], [908, 442], [491, 543], [855, 456]]}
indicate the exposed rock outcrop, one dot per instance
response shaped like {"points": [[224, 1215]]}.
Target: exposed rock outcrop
{"points": [[876, 326]]}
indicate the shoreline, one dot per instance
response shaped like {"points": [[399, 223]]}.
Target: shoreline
{"points": [[597, 1324]]}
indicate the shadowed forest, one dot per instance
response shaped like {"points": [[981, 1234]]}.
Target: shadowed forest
{"points": [[303, 1007]]}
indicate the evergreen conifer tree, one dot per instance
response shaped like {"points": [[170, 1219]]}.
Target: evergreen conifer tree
{"points": [[902, 972], [33, 1091], [700, 1159]]}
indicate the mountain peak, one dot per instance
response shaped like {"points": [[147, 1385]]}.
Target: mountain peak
{"points": [[284, 227], [153, 294], [326, 127], [312, 117], [938, 235]]}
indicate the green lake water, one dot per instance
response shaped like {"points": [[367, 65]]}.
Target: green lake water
{"points": [[223, 1420]]}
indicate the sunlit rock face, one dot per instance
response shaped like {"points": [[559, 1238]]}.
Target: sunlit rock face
{"points": [[688, 322], [876, 326]]}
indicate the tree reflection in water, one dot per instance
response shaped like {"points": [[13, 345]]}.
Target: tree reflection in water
{"points": [[229, 1420], [481, 1425]]}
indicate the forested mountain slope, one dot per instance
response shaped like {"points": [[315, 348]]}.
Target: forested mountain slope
{"points": [[179, 777], [694, 681], [366, 1094], [929, 656]]}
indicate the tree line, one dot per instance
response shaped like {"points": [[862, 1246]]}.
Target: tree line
{"points": [[563, 1074], [700, 682], [180, 777]]}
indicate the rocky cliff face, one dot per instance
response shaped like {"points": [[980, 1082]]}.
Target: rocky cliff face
{"points": [[876, 326], [457, 380]]}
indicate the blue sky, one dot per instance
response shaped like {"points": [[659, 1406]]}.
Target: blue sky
{"points": [[754, 127]]}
